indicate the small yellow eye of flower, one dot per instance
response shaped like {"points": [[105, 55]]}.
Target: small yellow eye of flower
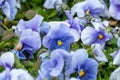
{"points": [[100, 36], [82, 73], [19, 46], [87, 12], [59, 42]]}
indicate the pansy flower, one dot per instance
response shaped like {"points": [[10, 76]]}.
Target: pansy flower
{"points": [[84, 66], [59, 37], [5, 61], [92, 7], [75, 25], [114, 9], [9, 8], [91, 36], [20, 74], [98, 53], [51, 4], [44, 28], [33, 24], [29, 42], [53, 66]]}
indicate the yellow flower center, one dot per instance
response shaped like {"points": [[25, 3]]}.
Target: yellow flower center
{"points": [[100, 36], [82, 73], [87, 12], [59, 42], [19, 46]]}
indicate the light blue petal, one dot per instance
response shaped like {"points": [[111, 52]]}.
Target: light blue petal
{"points": [[7, 60], [78, 8], [98, 53], [49, 4], [89, 36], [53, 66], [20, 74], [114, 12], [59, 65], [79, 57], [95, 6], [6, 9], [91, 68], [13, 9], [40, 76], [115, 75], [31, 38], [118, 42], [34, 23]]}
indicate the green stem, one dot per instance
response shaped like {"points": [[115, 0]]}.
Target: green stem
{"points": [[4, 26]]}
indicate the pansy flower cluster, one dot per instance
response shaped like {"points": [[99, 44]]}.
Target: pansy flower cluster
{"points": [[85, 25]]}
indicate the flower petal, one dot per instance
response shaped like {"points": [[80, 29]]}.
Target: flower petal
{"points": [[5, 61], [115, 74], [89, 35], [79, 9], [6, 9], [79, 57], [31, 38]]}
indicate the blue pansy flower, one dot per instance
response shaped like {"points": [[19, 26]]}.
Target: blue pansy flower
{"points": [[5, 61], [75, 25], [29, 42], [91, 36], [53, 66], [93, 7], [58, 37], [51, 4], [44, 28], [20, 74], [9, 8], [114, 9], [33, 24], [86, 67], [98, 53]]}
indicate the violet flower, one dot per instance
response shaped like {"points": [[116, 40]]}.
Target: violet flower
{"points": [[51, 4], [5, 61], [30, 42], [19, 74], [9, 8], [91, 36], [53, 67], [33, 24], [98, 53], [75, 25], [44, 28], [114, 9], [86, 67], [93, 7], [59, 37]]}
